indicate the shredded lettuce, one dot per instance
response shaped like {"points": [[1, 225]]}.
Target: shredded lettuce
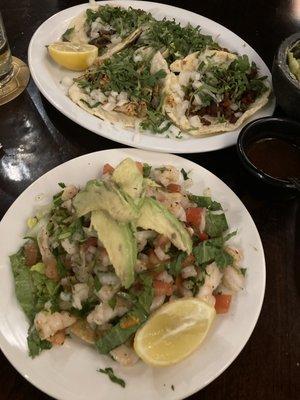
{"points": [[36, 344], [122, 331], [33, 288], [215, 224]]}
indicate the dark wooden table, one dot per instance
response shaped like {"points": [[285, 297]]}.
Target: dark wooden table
{"points": [[36, 138]]}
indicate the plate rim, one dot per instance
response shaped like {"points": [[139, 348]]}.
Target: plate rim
{"points": [[169, 145], [30, 379]]}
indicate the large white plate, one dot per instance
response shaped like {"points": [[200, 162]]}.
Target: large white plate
{"points": [[47, 76], [69, 372]]}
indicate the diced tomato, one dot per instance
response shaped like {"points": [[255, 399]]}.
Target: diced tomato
{"points": [[140, 166], [162, 288], [91, 241], [203, 236], [194, 216], [173, 188], [222, 303], [108, 169], [31, 253]]}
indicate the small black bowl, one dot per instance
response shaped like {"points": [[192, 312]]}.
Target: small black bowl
{"points": [[269, 127], [286, 86]]}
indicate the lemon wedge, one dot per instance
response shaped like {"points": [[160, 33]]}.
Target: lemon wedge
{"points": [[174, 331], [73, 56]]}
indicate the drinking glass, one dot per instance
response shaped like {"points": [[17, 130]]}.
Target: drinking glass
{"points": [[6, 66]]}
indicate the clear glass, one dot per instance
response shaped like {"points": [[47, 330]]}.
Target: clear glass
{"points": [[6, 67]]}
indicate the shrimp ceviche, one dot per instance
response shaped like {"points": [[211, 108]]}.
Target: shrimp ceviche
{"points": [[99, 260]]}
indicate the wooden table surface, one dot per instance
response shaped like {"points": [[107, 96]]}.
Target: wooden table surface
{"points": [[36, 138]]}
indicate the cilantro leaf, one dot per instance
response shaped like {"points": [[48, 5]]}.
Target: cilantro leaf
{"points": [[184, 174], [174, 267], [146, 170], [110, 373]]}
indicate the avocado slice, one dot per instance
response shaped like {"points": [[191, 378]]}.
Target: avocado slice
{"points": [[99, 195], [130, 179], [120, 244], [157, 217]]}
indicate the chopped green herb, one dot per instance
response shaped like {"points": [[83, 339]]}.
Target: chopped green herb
{"points": [[205, 201], [90, 105], [215, 224], [35, 344], [112, 302], [177, 41], [66, 36], [174, 267], [243, 271], [185, 174], [61, 184], [110, 373], [172, 387], [146, 170]]}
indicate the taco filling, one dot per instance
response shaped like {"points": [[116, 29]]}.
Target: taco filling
{"points": [[212, 91], [107, 26], [127, 87]]}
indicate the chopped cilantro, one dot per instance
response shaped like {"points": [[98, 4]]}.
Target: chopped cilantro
{"points": [[110, 373]]}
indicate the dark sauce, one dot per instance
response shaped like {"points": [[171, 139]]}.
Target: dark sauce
{"points": [[275, 157]]}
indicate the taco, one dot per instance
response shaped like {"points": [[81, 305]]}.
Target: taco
{"points": [[213, 91], [109, 28], [124, 89]]}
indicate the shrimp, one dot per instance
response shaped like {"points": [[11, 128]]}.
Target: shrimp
{"points": [[124, 355], [157, 302], [69, 192], [80, 293], [212, 280], [167, 175], [233, 279], [103, 313], [48, 258], [48, 324], [107, 292], [236, 254]]}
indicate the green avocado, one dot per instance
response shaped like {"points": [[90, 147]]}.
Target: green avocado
{"points": [[99, 195], [129, 178], [155, 216], [120, 243]]}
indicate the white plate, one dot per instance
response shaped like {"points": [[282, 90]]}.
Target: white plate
{"points": [[47, 76], [69, 372]]}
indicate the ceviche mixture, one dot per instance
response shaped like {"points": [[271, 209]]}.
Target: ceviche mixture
{"points": [[99, 260]]}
